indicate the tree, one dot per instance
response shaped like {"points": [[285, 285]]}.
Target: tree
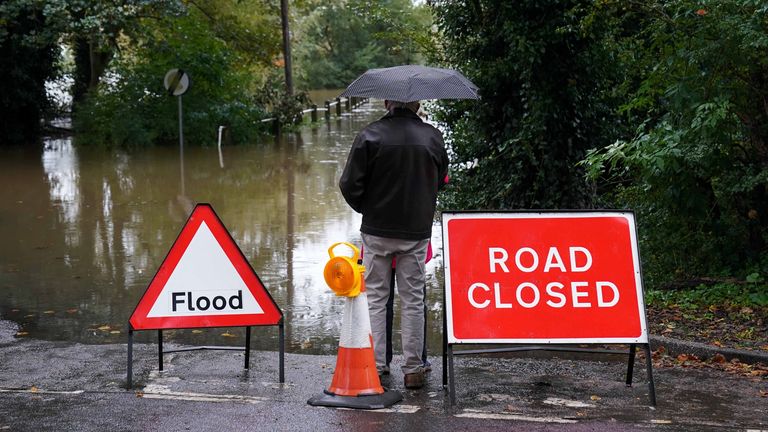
{"points": [[696, 166], [216, 46], [338, 40], [546, 85], [28, 56], [93, 29]]}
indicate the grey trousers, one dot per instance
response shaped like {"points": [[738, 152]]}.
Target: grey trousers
{"points": [[411, 277]]}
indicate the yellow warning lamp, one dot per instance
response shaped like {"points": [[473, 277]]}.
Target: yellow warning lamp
{"points": [[344, 274]]}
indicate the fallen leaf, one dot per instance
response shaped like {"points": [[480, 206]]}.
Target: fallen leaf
{"points": [[21, 333], [29, 316], [196, 331], [115, 332], [49, 312], [71, 311], [33, 389], [139, 394], [105, 328], [718, 358], [595, 397], [228, 334], [717, 343]]}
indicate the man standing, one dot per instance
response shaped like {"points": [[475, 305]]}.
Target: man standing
{"points": [[393, 173]]}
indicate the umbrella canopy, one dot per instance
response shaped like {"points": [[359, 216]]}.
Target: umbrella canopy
{"points": [[410, 83]]}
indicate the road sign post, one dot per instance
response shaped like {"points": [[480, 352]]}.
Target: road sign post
{"points": [[176, 82], [555, 278]]}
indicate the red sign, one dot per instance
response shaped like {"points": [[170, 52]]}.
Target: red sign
{"points": [[523, 277], [205, 281]]}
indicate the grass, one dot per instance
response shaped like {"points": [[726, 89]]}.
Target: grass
{"points": [[733, 315]]}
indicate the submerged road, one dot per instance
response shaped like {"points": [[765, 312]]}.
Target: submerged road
{"points": [[67, 386]]}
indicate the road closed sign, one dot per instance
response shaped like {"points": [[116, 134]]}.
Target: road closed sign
{"points": [[205, 281], [543, 277]]}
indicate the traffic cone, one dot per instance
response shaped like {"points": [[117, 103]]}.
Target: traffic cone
{"points": [[355, 381]]}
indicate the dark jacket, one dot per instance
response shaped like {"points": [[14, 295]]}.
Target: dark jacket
{"points": [[393, 172]]}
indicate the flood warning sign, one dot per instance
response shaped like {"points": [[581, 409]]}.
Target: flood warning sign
{"points": [[205, 281]]}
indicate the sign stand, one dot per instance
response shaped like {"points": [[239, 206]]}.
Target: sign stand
{"points": [[247, 351], [522, 278], [205, 281], [449, 378]]}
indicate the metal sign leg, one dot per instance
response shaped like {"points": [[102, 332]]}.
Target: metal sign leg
{"points": [[281, 337], [160, 349], [445, 344], [247, 347], [631, 364], [649, 367], [129, 381], [451, 377]]}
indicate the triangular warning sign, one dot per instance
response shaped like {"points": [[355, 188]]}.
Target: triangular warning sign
{"points": [[205, 281]]}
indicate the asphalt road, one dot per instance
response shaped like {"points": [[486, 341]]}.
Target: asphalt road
{"points": [[64, 386]]}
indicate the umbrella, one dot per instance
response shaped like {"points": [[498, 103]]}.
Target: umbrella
{"points": [[410, 83]]}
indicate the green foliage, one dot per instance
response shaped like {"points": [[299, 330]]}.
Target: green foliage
{"points": [[28, 56], [338, 40], [696, 167], [133, 109], [731, 294], [547, 87]]}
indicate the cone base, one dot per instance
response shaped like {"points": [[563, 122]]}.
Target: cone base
{"points": [[379, 401]]}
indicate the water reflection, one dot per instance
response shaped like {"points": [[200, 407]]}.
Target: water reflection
{"points": [[84, 230]]}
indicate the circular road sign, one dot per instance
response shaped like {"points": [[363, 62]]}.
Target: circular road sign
{"points": [[176, 82]]}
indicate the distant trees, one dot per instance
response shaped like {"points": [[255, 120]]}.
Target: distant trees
{"points": [[228, 49], [338, 40], [117, 53]]}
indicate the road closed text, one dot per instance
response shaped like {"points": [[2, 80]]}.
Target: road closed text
{"points": [[552, 261]]}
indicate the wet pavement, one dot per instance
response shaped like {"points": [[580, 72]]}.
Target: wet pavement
{"points": [[48, 385]]}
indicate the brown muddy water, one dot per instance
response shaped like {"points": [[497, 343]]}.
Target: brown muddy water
{"points": [[84, 230]]}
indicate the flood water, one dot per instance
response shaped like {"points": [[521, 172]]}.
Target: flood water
{"points": [[84, 230]]}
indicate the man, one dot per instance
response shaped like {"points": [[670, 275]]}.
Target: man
{"points": [[393, 173]]}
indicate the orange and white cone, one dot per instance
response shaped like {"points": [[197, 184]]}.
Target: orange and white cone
{"points": [[355, 381], [355, 373]]}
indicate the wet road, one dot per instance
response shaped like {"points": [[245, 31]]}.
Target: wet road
{"points": [[65, 386]]}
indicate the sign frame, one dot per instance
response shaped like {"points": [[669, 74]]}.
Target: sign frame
{"points": [[204, 214], [510, 344]]}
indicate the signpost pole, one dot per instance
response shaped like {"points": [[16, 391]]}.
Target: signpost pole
{"points": [[181, 146]]}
